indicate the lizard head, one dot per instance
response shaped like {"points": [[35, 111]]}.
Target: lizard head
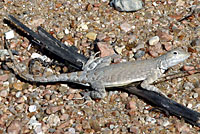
{"points": [[173, 57]]}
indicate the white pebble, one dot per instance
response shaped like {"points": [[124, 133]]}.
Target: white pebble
{"points": [[166, 123], [154, 40], [66, 31], [195, 95], [189, 105], [32, 108], [9, 34], [71, 130], [18, 94]]}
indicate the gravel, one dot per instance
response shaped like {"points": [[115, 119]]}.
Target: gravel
{"points": [[53, 108]]}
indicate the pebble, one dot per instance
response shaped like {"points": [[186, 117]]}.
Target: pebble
{"points": [[165, 123], [119, 49], [187, 68], [18, 85], [4, 77], [91, 35], [132, 105], [127, 5], [139, 54], [66, 31], [9, 34], [150, 119], [83, 26], [195, 95], [53, 120], [32, 108], [37, 55], [125, 26], [195, 42], [53, 109], [71, 130], [15, 127], [154, 40], [105, 49], [189, 105], [18, 94], [167, 45], [188, 86], [4, 93], [101, 37], [164, 36]]}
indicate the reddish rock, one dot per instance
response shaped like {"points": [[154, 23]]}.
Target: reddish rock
{"points": [[15, 127], [187, 68], [105, 49], [4, 77], [52, 110], [132, 105], [167, 46], [164, 36]]}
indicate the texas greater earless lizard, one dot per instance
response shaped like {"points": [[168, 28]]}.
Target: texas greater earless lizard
{"points": [[115, 75]]}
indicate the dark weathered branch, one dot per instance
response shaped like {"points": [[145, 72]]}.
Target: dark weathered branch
{"points": [[45, 40]]}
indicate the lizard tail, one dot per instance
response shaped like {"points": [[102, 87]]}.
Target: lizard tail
{"points": [[76, 77]]}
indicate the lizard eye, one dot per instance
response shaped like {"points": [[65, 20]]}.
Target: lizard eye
{"points": [[175, 52]]}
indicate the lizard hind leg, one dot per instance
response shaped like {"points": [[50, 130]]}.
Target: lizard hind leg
{"points": [[99, 91]]}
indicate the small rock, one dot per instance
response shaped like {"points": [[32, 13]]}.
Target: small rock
{"points": [[134, 130], [18, 85], [71, 130], [187, 68], [83, 26], [105, 49], [53, 109], [127, 5], [91, 35], [126, 27], [167, 45], [139, 54], [9, 34], [139, 46], [4, 93], [37, 22], [124, 96], [15, 127], [166, 123], [196, 42], [53, 120], [100, 37], [188, 86], [66, 31], [132, 105], [4, 77], [195, 95], [119, 49], [150, 119], [32, 108], [64, 117], [18, 94], [164, 36], [189, 105], [95, 125], [154, 40], [25, 44]]}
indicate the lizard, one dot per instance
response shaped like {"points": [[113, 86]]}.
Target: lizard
{"points": [[114, 75]]}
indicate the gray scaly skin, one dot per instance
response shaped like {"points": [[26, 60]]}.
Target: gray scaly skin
{"points": [[116, 75]]}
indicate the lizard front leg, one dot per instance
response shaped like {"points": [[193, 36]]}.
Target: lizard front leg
{"points": [[146, 84], [99, 91]]}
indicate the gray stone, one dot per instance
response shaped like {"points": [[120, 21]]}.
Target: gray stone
{"points": [[127, 5]]}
